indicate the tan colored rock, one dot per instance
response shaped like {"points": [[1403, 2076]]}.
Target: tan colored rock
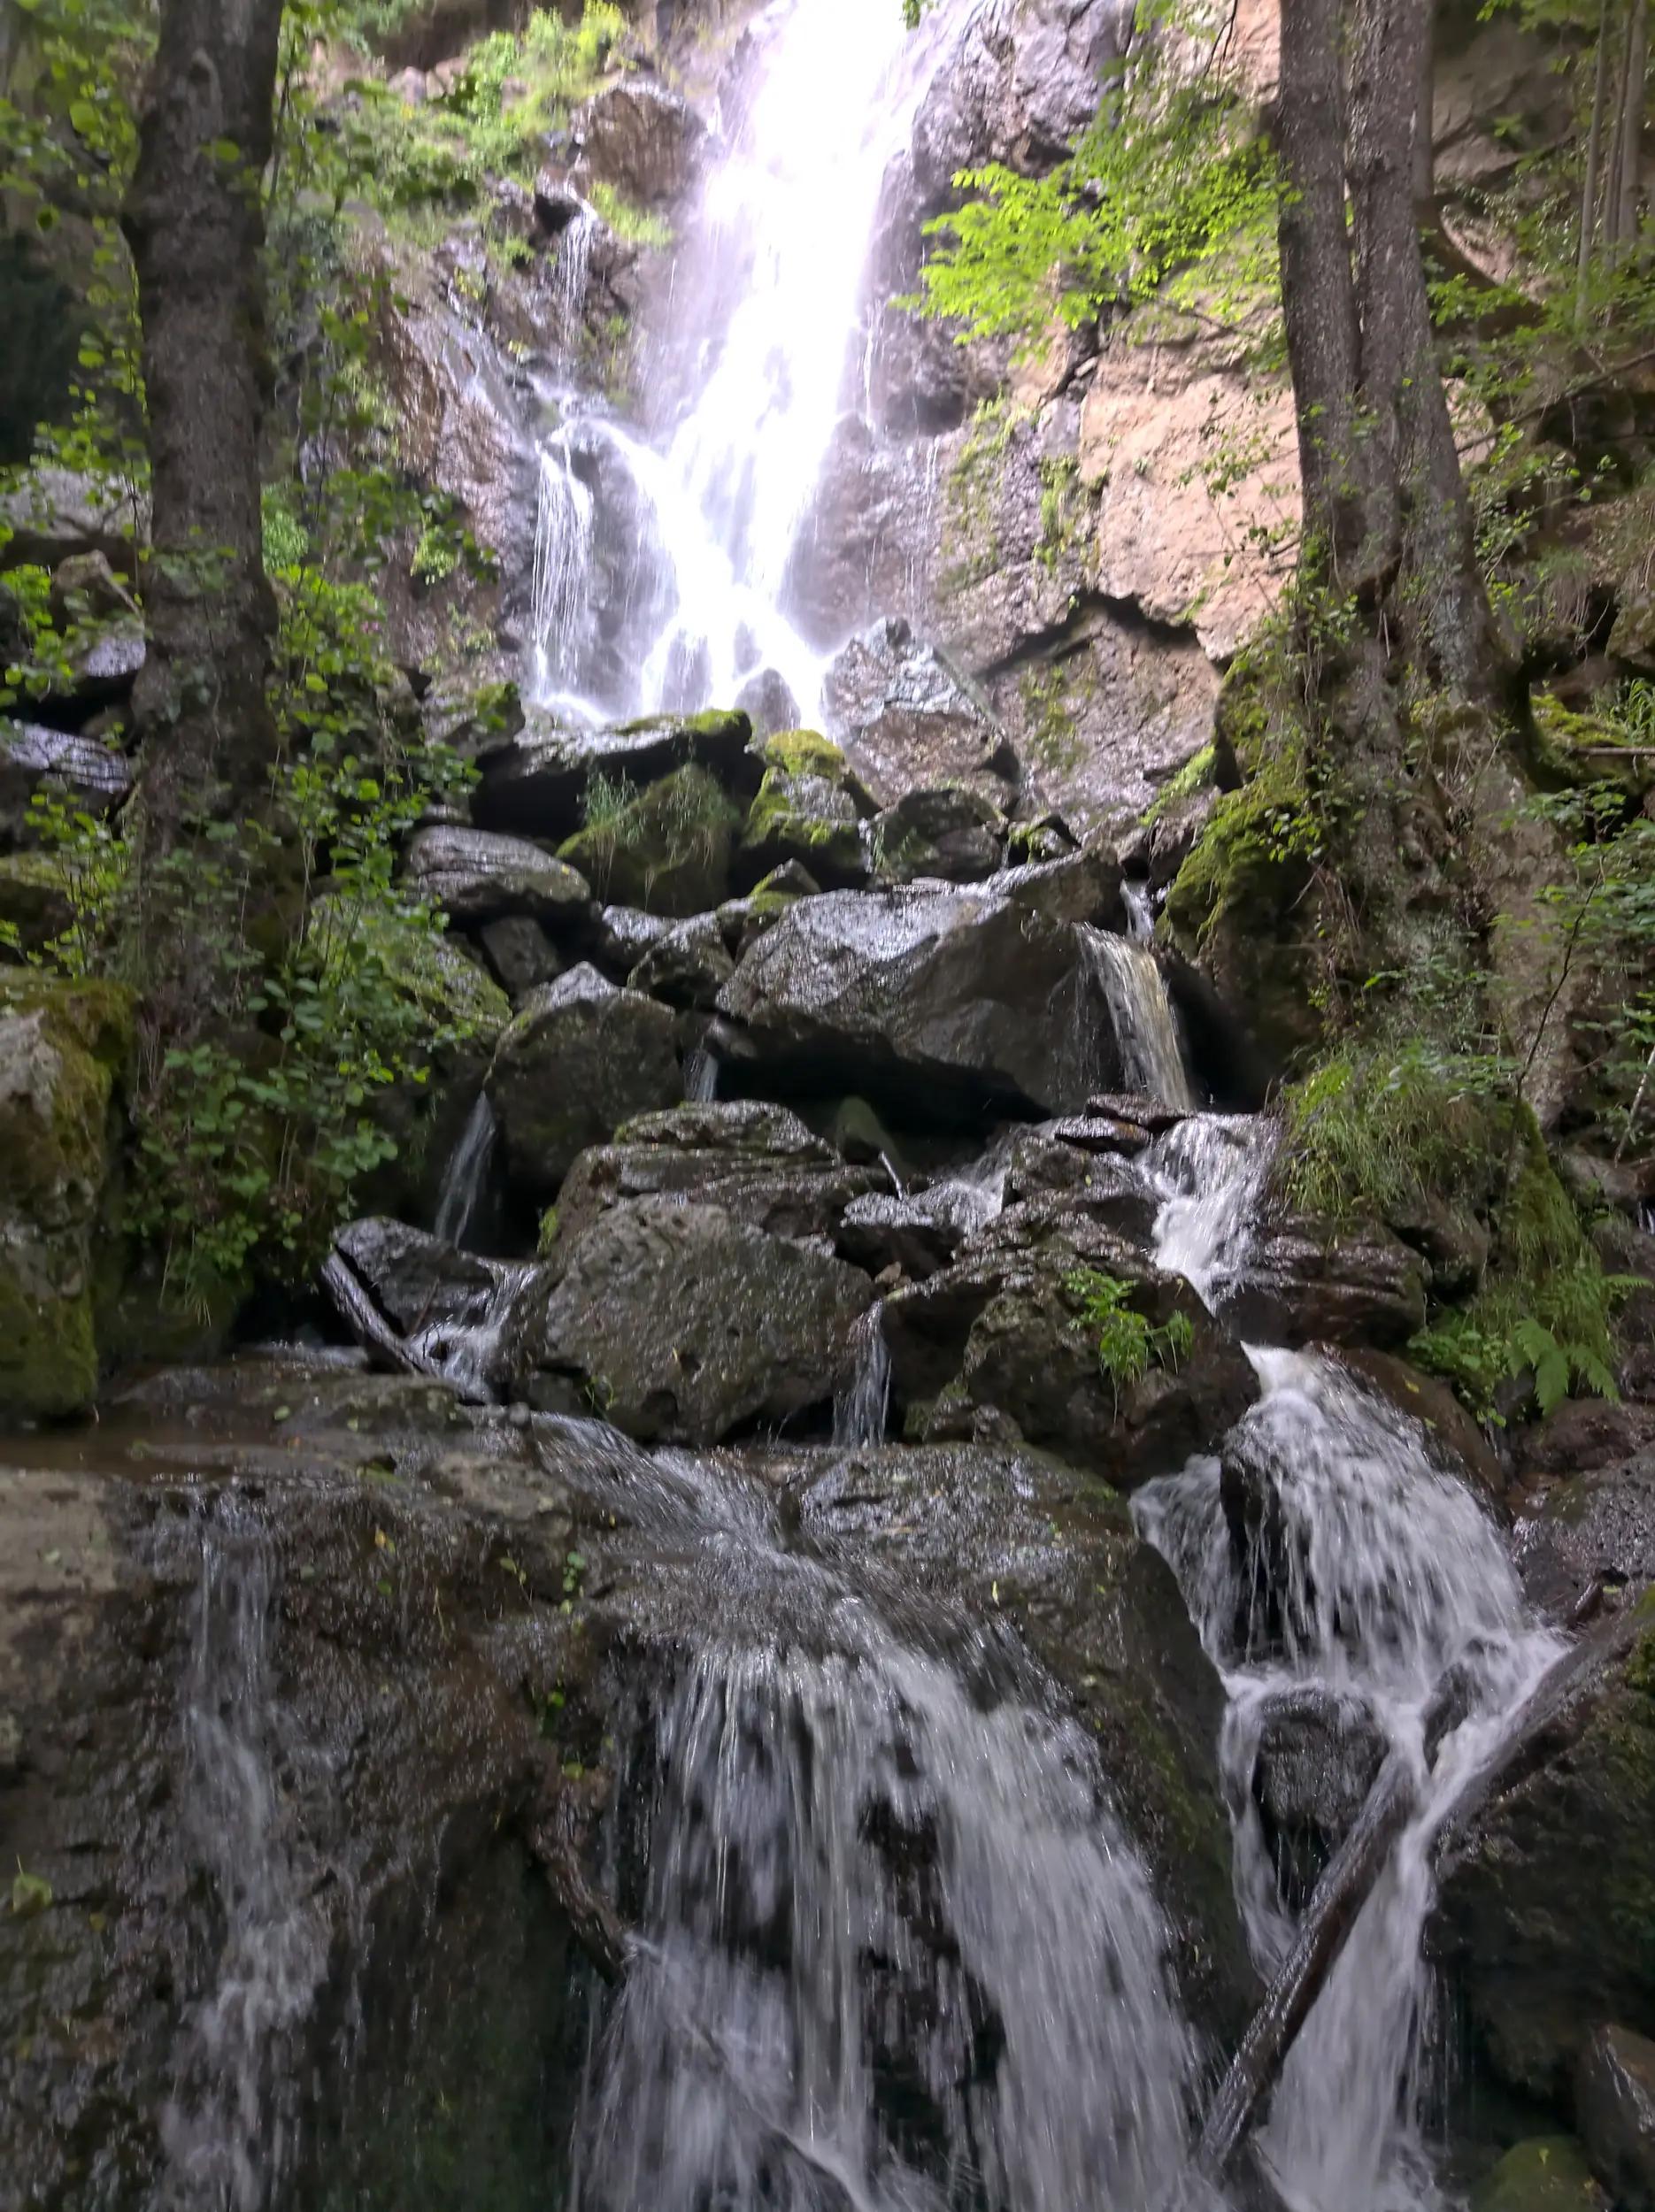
{"points": [[1163, 414]]}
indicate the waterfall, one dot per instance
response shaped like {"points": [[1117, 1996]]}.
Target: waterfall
{"points": [[1390, 1590], [767, 307], [862, 1409], [564, 536], [1145, 1025], [1140, 905], [230, 2129], [466, 1175], [572, 276], [897, 1955], [1209, 1175], [700, 1076]]}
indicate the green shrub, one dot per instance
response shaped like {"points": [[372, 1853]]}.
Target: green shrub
{"points": [[1129, 1343]]}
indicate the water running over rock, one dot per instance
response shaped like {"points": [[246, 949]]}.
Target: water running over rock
{"points": [[897, 1957], [231, 2130], [761, 342], [465, 1178], [1327, 1556], [1145, 1022]]}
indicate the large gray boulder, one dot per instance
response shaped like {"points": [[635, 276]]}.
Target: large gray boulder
{"points": [[908, 719], [580, 1057], [758, 1163], [480, 876], [1022, 1538], [1005, 1336], [681, 1324], [983, 992]]}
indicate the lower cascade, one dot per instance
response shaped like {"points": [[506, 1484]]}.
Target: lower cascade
{"points": [[897, 1955]]}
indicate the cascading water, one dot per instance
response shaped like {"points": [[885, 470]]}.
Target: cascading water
{"points": [[466, 1176], [766, 306], [1145, 1022], [230, 2131], [897, 1957], [1387, 1589], [862, 1409], [565, 532]]}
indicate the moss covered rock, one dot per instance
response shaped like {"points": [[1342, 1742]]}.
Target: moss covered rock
{"points": [[1544, 1951], [803, 815], [1548, 2173], [581, 1058], [666, 850], [64, 1048], [35, 904]]}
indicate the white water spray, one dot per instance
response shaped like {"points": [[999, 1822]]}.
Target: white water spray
{"points": [[1378, 1580]]}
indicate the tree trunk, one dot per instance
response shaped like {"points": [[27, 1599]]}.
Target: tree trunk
{"points": [[1594, 168], [195, 221], [1631, 133], [1317, 287]]}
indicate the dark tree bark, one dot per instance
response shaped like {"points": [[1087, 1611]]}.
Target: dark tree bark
{"points": [[195, 222], [1397, 644]]}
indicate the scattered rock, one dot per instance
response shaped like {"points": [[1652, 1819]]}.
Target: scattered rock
{"points": [[688, 967], [480, 876], [642, 139], [577, 1060], [952, 833], [533, 783], [983, 992], [758, 1162], [520, 954], [1614, 2110], [681, 1324], [1307, 1283], [1319, 1756], [55, 516], [908, 719], [1005, 1330], [1598, 1529], [91, 774]]}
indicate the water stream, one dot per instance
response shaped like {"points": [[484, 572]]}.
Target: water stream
{"points": [[1376, 1581], [760, 356], [231, 2130]]}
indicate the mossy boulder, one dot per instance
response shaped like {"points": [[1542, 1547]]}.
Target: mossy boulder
{"points": [[666, 850], [1548, 2173], [63, 1048], [805, 816], [35, 903], [581, 1058], [1543, 1951]]}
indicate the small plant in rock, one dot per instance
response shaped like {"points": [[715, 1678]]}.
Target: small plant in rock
{"points": [[1129, 1343]]}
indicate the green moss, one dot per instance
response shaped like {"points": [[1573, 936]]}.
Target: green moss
{"points": [[457, 999], [784, 823], [1196, 775], [666, 849], [548, 1231], [1375, 1129], [1053, 694], [1547, 2174], [802, 753], [1251, 860], [64, 1046]]}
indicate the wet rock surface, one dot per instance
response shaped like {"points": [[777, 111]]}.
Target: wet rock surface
{"points": [[681, 1323], [985, 992], [579, 1058], [1614, 2101]]}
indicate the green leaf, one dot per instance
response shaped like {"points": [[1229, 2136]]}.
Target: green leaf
{"points": [[31, 1894]]}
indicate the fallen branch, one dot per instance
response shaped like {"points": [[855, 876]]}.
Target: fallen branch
{"points": [[371, 1331], [1544, 1724], [1339, 1897], [593, 1921]]}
